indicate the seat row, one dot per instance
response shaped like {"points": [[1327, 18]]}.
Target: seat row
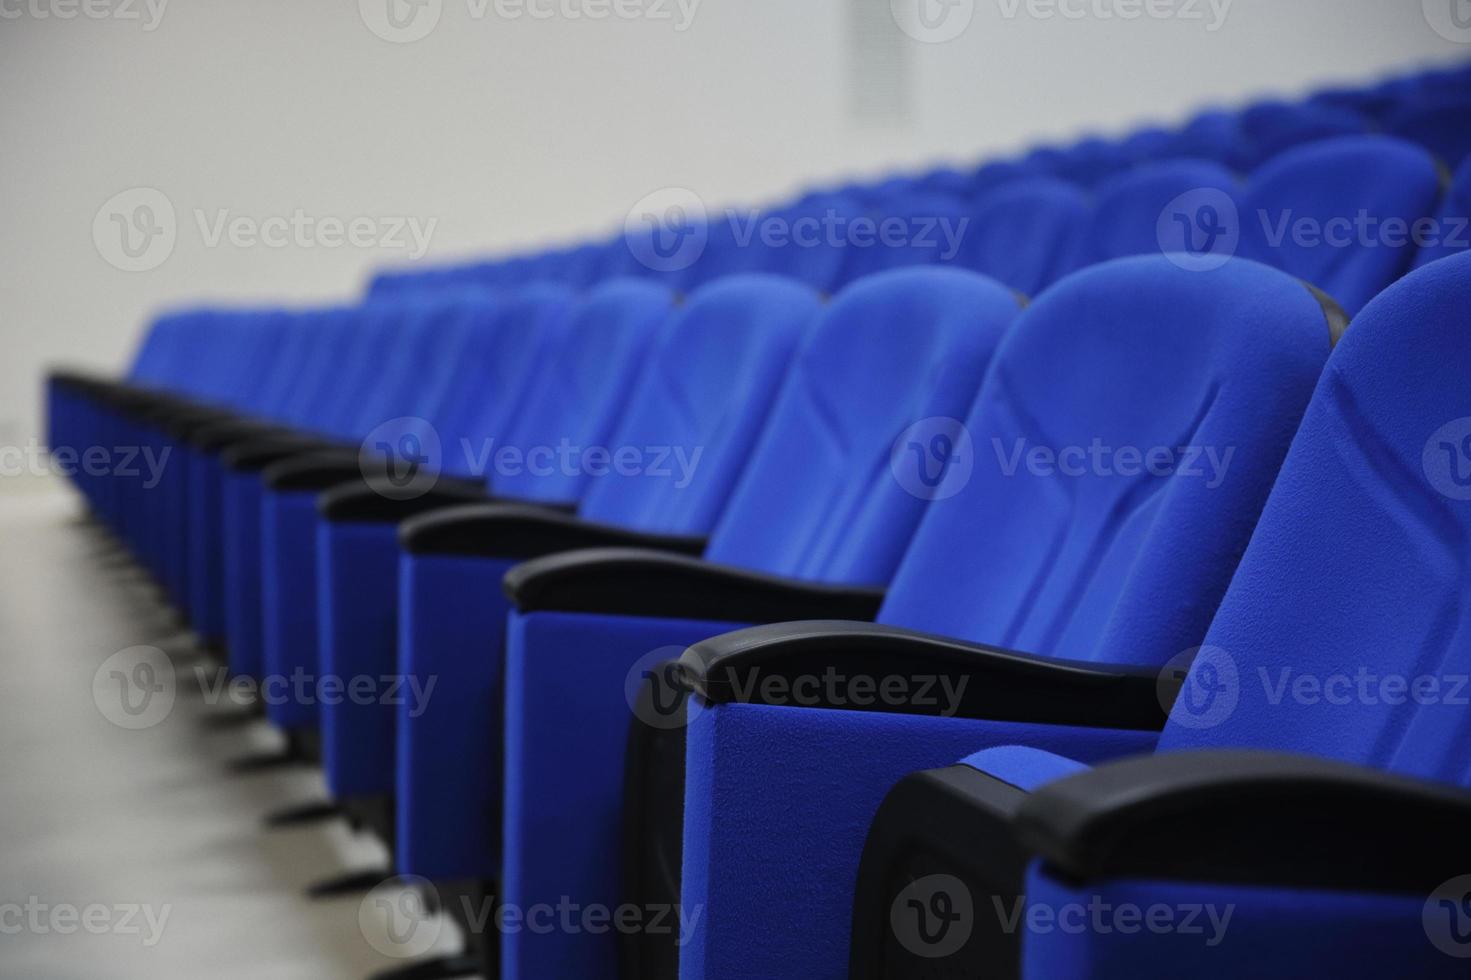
{"points": [[525, 502], [1427, 109]]}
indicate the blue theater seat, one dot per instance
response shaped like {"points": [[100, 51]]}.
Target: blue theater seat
{"points": [[1100, 568], [476, 341], [1272, 127], [505, 365], [1129, 214], [903, 228], [1026, 233], [1210, 135], [1452, 228], [814, 524], [1302, 213], [1310, 782], [691, 391], [1439, 124], [277, 526], [1092, 160], [388, 371]]}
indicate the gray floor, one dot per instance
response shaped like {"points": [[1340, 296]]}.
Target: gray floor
{"points": [[143, 822]]}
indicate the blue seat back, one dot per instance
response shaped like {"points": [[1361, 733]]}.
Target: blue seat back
{"points": [[1094, 525], [1302, 213], [500, 364], [1442, 125], [1129, 216], [1092, 160], [1213, 134], [904, 228], [992, 175], [345, 342], [1027, 233], [1272, 127], [817, 500], [700, 403], [576, 394], [1347, 631], [1452, 228], [427, 333], [812, 253]]}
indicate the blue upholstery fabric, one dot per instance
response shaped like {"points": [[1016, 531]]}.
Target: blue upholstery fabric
{"points": [[706, 388], [451, 626], [1023, 766], [1091, 161], [1270, 128], [1343, 635], [566, 716], [1210, 135], [1130, 208], [423, 386], [1219, 933], [817, 500], [772, 848], [356, 627], [1439, 124], [288, 609], [1088, 566], [1453, 221], [1094, 564], [902, 228], [1301, 213], [699, 399], [575, 397], [241, 523], [703, 397], [1027, 233], [1372, 499]]}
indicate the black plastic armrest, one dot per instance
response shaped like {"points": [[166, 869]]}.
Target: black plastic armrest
{"points": [[257, 454], [641, 582], [524, 531], [80, 378], [375, 500], [1251, 817], [313, 471], [763, 664]]}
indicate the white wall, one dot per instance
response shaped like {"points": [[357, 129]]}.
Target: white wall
{"points": [[517, 131]]}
